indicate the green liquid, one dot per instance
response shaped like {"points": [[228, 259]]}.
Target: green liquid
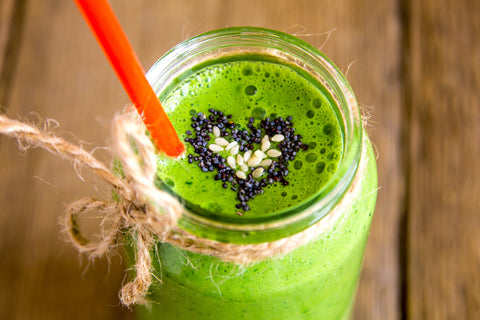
{"points": [[255, 89], [315, 281]]}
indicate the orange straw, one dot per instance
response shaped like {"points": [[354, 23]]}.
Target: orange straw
{"points": [[119, 52]]}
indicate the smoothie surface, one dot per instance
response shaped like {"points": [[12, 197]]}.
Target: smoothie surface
{"points": [[248, 87]]}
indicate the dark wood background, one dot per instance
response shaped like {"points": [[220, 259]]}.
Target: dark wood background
{"points": [[414, 65]]}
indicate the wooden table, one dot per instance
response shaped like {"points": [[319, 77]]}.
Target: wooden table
{"points": [[414, 65]]}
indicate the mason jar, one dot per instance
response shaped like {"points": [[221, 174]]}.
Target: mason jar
{"points": [[296, 250]]}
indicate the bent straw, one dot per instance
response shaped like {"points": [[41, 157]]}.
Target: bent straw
{"points": [[119, 52]]}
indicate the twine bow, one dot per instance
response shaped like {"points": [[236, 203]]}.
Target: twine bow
{"points": [[142, 208], [148, 212]]}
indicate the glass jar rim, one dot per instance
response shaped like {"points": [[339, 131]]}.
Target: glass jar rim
{"points": [[290, 50]]}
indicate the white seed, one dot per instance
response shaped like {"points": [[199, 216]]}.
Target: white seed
{"points": [[260, 154], [254, 161], [215, 147], [265, 145], [257, 172], [221, 142], [266, 163], [231, 145], [278, 137], [265, 138], [274, 153], [239, 159], [247, 155], [244, 167], [216, 131], [234, 150], [231, 162], [241, 175]]}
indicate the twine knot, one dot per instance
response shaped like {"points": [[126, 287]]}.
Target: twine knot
{"points": [[147, 212], [142, 208]]}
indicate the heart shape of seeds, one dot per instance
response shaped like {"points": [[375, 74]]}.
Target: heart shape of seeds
{"points": [[246, 159]]}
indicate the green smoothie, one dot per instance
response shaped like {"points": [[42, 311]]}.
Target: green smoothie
{"points": [[243, 98], [316, 281], [248, 87]]}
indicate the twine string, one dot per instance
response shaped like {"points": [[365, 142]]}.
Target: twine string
{"points": [[145, 211]]}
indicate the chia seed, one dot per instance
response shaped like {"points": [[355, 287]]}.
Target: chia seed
{"points": [[209, 161]]}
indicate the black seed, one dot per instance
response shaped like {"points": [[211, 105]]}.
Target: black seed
{"points": [[247, 139]]}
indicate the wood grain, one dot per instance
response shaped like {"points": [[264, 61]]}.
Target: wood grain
{"points": [[11, 26], [6, 14], [62, 74], [6, 17], [374, 36], [444, 174], [41, 276]]}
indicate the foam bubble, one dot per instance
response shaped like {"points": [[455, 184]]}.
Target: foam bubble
{"points": [[247, 70], [298, 164], [258, 113], [311, 157], [320, 167], [317, 103], [250, 90], [327, 129]]}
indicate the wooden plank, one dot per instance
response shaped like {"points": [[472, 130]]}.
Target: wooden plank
{"points": [[62, 74], [41, 275], [6, 13], [373, 42], [443, 55], [11, 23]]}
